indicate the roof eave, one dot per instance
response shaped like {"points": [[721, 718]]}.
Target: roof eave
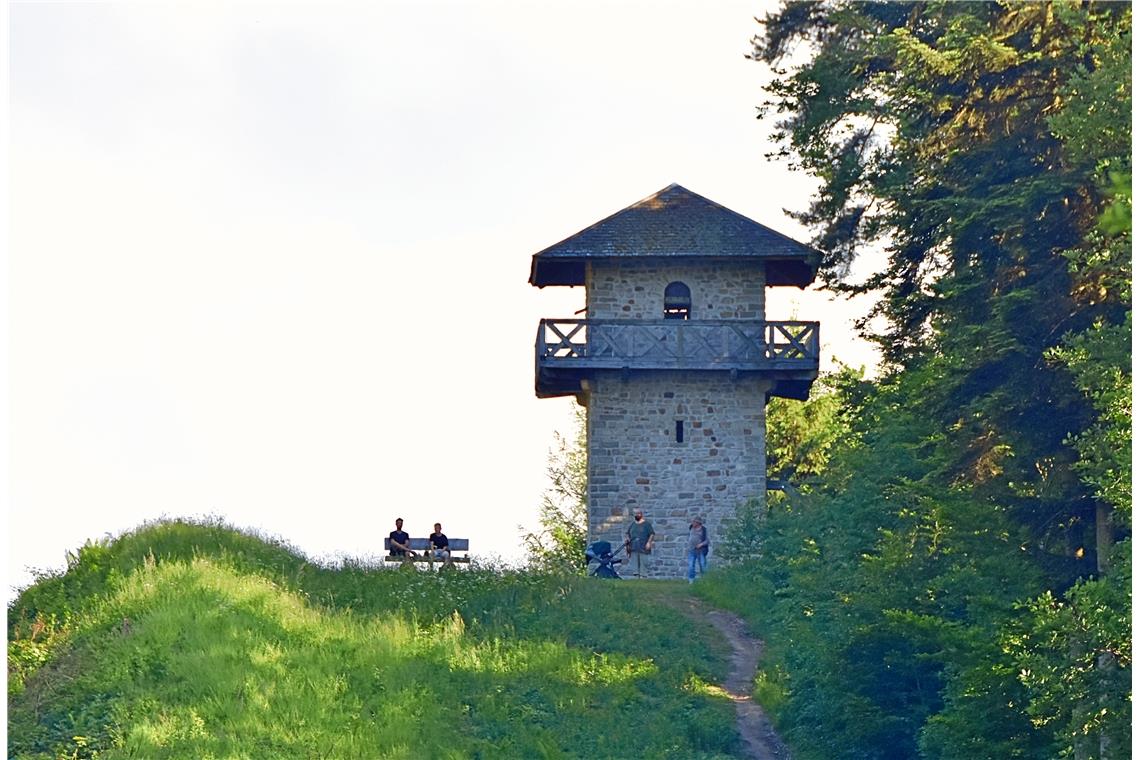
{"points": [[799, 272], [554, 272]]}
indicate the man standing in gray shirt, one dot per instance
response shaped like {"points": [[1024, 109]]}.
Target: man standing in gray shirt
{"points": [[639, 543]]}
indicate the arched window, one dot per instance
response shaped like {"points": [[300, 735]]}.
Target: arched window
{"points": [[677, 301]]}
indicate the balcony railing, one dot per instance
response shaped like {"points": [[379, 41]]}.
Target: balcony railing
{"points": [[565, 344]]}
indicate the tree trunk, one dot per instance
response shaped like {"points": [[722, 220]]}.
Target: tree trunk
{"points": [[1104, 537]]}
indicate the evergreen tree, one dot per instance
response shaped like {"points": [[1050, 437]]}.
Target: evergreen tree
{"points": [[985, 147]]}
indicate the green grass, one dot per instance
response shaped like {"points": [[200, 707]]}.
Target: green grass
{"points": [[185, 640]]}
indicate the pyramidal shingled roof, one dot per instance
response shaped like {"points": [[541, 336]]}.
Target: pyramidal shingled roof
{"points": [[676, 223]]}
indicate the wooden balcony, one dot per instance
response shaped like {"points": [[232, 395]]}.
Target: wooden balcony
{"points": [[568, 351]]}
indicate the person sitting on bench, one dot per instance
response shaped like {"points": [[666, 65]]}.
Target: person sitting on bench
{"points": [[398, 542], [439, 548]]}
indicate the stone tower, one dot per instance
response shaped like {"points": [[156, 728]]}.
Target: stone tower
{"points": [[674, 361]]}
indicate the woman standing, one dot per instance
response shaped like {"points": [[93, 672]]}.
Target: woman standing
{"points": [[698, 548]]}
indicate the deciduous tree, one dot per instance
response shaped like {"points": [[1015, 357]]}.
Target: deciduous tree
{"points": [[560, 543]]}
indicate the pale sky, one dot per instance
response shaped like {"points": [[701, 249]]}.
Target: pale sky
{"points": [[269, 261]]}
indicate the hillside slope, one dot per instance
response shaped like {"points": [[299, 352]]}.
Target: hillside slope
{"points": [[184, 640]]}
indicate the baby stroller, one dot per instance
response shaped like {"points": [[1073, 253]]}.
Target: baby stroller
{"points": [[601, 552]]}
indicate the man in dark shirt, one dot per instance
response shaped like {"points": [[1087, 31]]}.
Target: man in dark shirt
{"points": [[398, 541], [439, 548]]}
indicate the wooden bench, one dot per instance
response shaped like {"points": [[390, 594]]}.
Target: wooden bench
{"points": [[424, 554]]}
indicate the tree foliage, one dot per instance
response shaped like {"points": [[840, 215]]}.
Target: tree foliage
{"points": [[948, 565], [1074, 658], [560, 543], [802, 436]]}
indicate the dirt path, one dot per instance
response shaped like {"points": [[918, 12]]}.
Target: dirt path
{"points": [[760, 739]]}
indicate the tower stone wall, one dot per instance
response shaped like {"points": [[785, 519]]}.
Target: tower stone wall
{"points": [[634, 459], [636, 290]]}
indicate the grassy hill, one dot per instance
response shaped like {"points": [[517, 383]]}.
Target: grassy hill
{"points": [[191, 640]]}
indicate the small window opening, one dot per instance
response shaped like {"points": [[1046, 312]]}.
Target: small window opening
{"points": [[678, 301], [680, 431]]}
